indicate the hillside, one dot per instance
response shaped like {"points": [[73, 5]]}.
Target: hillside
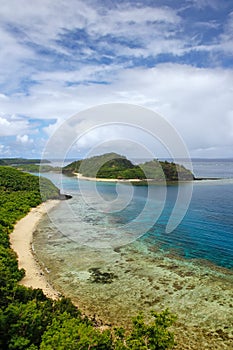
{"points": [[115, 166], [27, 186], [159, 170], [109, 165]]}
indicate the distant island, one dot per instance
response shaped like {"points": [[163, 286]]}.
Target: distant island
{"points": [[20, 161], [114, 166], [30, 165]]}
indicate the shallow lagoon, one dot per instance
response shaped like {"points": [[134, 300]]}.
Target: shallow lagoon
{"points": [[189, 270]]}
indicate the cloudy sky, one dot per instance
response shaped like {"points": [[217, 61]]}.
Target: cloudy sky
{"points": [[60, 57]]}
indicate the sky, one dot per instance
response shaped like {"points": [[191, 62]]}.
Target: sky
{"points": [[60, 57]]}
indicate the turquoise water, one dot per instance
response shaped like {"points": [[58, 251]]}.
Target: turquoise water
{"points": [[188, 271], [205, 233]]}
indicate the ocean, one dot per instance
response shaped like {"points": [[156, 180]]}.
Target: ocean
{"points": [[188, 270]]}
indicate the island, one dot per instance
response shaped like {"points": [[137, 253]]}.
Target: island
{"points": [[30, 165], [115, 167], [20, 161]]}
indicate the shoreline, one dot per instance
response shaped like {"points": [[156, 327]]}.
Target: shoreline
{"points": [[153, 181], [21, 242], [100, 179]]}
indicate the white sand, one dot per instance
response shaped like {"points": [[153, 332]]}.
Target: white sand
{"points": [[100, 179], [21, 241]]}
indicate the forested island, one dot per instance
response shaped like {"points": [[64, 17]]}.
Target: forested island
{"points": [[115, 166], [19, 161], [29, 319], [30, 165]]}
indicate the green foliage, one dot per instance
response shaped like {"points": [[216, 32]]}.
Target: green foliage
{"points": [[115, 166], [66, 305], [13, 161], [48, 190], [36, 168], [70, 333], [153, 336], [23, 294], [72, 167], [107, 165], [26, 321], [153, 170], [176, 172], [23, 191]]}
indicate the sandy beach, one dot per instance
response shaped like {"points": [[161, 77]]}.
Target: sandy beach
{"points": [[100, 179], [21, 240]]}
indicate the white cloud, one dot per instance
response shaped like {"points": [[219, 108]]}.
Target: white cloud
{"points": [[24, 139], [131, 21], [3, 97], [152, 30], [198, 102], [5, 150], [226, 42], [44, 23], [40, 18], [12, 125], [215, 4]]}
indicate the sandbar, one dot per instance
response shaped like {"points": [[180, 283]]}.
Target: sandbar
{"points": [[21, 242]]}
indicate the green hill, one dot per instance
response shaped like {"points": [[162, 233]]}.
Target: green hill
{"points": [[159, 170], [109, 165], [27, 187], [115, 166]]}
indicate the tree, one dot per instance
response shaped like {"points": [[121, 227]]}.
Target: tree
{"points": [[67, 332], [148, 336]]}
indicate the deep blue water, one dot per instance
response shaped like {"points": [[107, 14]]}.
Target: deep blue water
{"points": [[205, 233]]}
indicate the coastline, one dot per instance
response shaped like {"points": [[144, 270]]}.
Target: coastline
{"points": [[21, 241], [100, 179], [152, 181]]}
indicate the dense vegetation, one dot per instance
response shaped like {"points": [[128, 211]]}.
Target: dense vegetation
{"points": [[30, 320], [36, 168], [29, 165], [170, 171], [25, 188], [115, 166], [13, 161]]}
